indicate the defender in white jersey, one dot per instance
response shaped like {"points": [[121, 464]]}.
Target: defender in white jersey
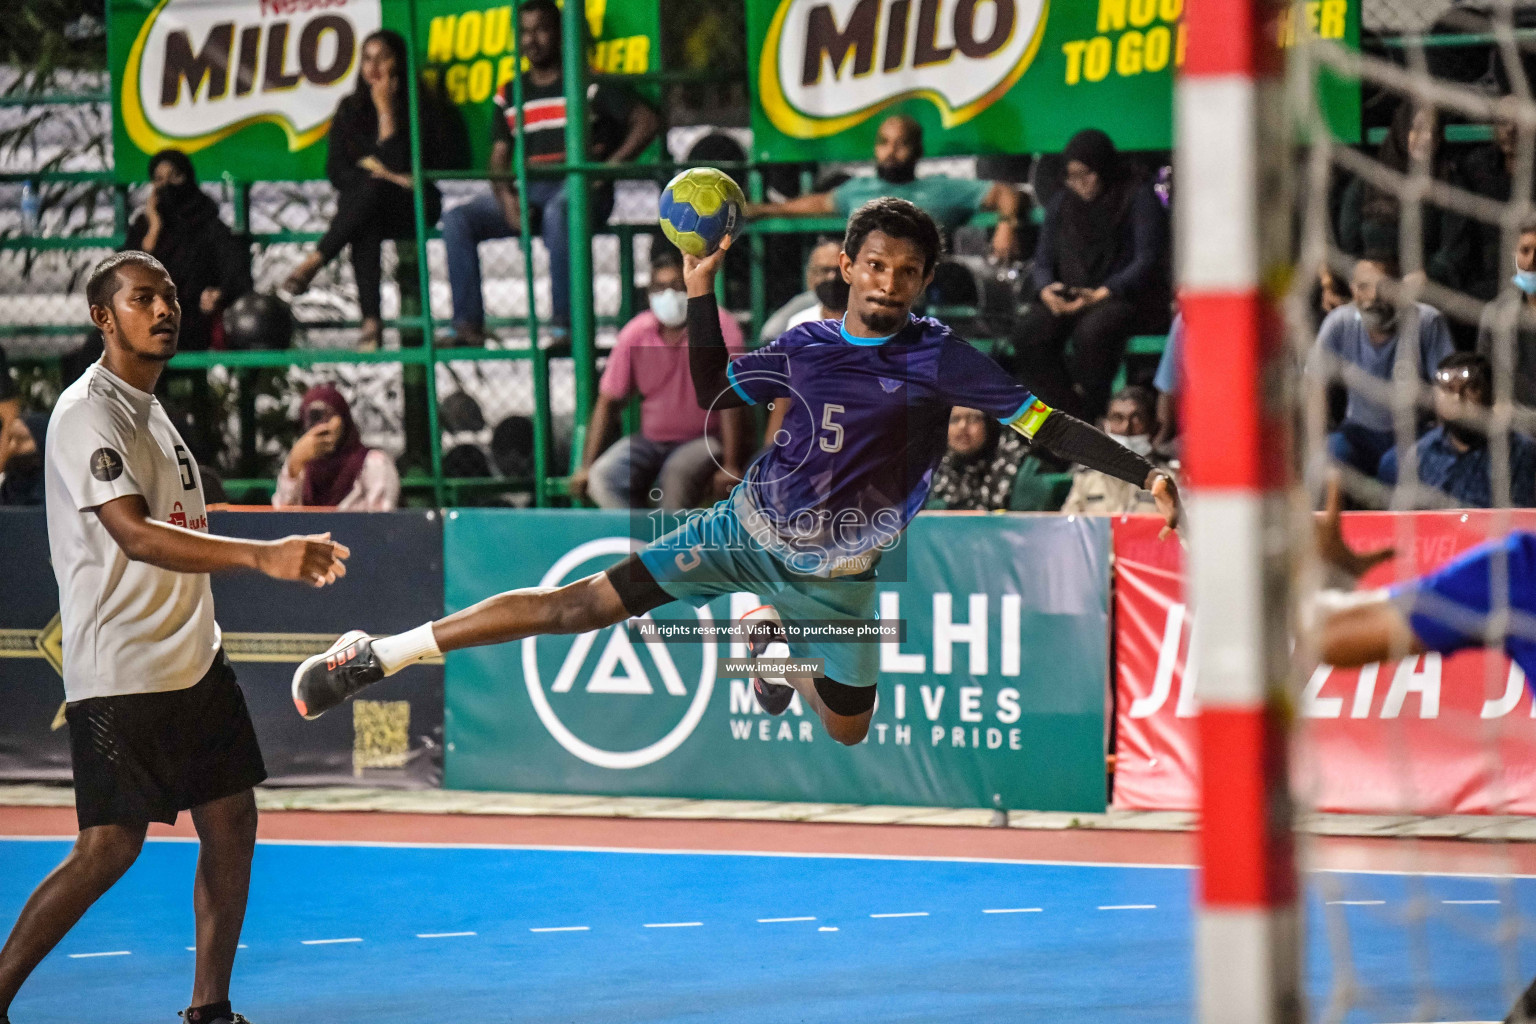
{"points": [[157, 724]]}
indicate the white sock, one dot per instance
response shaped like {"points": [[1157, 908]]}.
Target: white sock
{"points": [[402, 649]]}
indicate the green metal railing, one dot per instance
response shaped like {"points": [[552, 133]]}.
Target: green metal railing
{"points": [[419, 354]]}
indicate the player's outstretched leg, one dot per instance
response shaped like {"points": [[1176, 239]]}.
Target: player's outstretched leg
{"points": [[1524, 1011], [357, 660]]}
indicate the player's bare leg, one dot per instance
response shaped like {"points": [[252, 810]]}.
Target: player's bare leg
{"points": [[357, 660], [226, 833], [100, 857]]}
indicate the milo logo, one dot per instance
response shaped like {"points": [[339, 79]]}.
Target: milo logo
{"points": [[198, 72], [828, 65]]}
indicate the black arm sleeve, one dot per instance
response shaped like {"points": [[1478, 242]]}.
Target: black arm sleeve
{"points": [[1072, 439], [708, 356]]}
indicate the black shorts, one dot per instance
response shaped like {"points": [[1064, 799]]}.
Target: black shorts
{"points": [[142, 757]]}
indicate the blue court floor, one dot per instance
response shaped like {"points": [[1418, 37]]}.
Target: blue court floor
{"points": [[404, 935]]}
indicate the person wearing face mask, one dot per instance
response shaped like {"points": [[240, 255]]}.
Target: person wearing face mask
{"points": [[180, 227], [949, 201], [210, 267], [825, 296], [1375, 333], [1454, 457], [1131, 420], [682, 453], [1507, 334], [21, 459], [1101, 274]]}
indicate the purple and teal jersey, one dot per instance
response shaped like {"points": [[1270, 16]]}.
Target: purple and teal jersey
{"points": [[867, 423], [1452, 608]]}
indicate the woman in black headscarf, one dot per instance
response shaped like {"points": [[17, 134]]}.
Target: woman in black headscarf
{"points": [[210, 267], [978, 469], [180, 227], [1101, 273], [369, 163]]}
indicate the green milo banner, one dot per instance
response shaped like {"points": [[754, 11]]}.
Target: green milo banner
{"points": [[994, 698], [987, 76], [247, 87]]}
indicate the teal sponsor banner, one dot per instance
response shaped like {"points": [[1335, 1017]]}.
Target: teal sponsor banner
{"points": [[996, 697]]}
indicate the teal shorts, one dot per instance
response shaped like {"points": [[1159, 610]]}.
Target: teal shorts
{"points": [[711, 555]]}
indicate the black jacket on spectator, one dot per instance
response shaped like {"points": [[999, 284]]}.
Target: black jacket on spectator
{"points": [[370, 209], [199, 251], [1486, 257], [1119, 241]]}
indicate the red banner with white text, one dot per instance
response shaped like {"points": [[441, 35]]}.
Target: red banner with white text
{"points": [[1426, 735]]}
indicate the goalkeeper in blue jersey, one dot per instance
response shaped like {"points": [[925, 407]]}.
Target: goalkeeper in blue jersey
{"points": [[806, 527]]}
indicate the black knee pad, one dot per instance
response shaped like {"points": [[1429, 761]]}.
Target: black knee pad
{"points": [[844, 700]]}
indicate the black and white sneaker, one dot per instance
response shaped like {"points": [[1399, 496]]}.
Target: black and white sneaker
{"points": [[325, 680], [766, 639]]}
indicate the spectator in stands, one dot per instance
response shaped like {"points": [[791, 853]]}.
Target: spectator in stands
{"points": [[1369, 216], [621, 126], [369, 163], [180, 227], [1454, 457], [330, 467], [1373, 334], [21, 459], [10, 400], [978, 471], [686, 452], [1332, 291], [211, 268], [1101, 272], [1507, 335], [949, 201], [1131, 420], [1489, 171], [1169, 383], [825, 296]]}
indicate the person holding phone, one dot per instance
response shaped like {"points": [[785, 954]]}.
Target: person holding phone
{"points": [[1101, 274], [330, 467]]}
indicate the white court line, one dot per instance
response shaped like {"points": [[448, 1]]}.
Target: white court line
{"points": [[564, 928], [87, 956], [1470, 903], [911, 913], [677, 924], [1356, 903], [782, 920], [826, 928], [1130, 906], [442, 935], [325, 942], [1017, 910]]}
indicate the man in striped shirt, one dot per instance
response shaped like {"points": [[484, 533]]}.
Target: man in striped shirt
{"points": [[619, 127]]}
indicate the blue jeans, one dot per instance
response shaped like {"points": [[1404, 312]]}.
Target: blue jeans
{"points": [[481, 219], [1360, 447], [681, 470]]}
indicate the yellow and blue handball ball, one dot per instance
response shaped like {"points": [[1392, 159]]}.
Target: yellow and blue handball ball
{"points": [[700, 207]]}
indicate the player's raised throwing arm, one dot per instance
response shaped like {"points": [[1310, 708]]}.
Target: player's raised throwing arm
{"points": [[708, 359]]}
